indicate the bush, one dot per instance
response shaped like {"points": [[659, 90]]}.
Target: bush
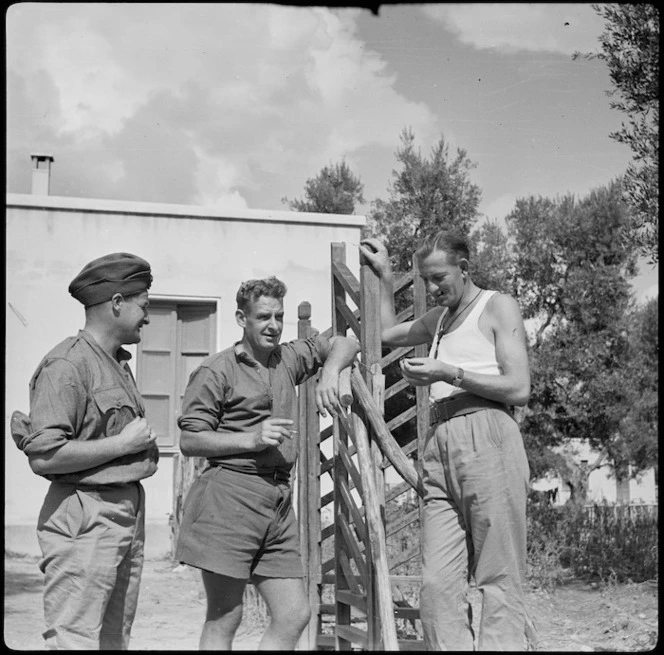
{"points": [[605, 542]]}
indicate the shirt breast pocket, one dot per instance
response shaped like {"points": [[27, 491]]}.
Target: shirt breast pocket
{"points": [[115, 408]]}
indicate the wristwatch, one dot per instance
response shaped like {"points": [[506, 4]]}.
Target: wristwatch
{"points": [[458, 378]]}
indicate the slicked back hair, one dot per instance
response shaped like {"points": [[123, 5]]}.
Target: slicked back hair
{"points": [[252, 290], [451, 243]]}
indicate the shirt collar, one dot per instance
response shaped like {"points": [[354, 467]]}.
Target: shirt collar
{"points": [[243, 356], [240, 353], [122, 354]]}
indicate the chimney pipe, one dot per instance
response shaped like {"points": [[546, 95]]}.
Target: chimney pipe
{"points": [[41, 174]]}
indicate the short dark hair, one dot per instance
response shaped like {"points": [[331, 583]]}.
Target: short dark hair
{"points": [[451, 243], [252, 290]]}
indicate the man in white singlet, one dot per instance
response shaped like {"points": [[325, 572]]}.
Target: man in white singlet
{"points": [[475, 470]]}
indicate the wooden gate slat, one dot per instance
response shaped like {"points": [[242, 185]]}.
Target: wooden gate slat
{"points": [[353, 547]]}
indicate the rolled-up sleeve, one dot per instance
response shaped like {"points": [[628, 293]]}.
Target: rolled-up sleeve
{"points": [[307, 355], [204, 397], [57, 406]]}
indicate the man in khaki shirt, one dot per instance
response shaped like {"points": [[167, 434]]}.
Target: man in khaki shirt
{"points": [[87, 434], [240, 411]]}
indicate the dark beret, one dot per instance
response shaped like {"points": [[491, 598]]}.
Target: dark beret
{"points": [[119, 272]]}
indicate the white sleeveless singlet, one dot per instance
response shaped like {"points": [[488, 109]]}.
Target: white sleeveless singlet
{"points": [[465, 347]]}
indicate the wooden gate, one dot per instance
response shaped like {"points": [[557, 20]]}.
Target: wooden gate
{"points": [[352, 517]]}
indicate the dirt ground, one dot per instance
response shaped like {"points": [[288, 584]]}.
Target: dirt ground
{"points": [[575, 618]]}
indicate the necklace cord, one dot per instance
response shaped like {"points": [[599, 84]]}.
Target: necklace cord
{"points": [[443, 328]]}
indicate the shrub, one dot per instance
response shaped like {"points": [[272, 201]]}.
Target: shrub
{"points": [[617, 542]]}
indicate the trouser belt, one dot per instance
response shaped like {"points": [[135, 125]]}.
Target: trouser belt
{"points": [[460, 404], [278, 474]]}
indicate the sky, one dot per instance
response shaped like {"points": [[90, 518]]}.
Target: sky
{"points": [[237, 105]]}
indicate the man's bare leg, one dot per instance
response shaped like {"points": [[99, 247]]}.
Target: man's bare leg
{"points": [[224, 611], [289, 609]]}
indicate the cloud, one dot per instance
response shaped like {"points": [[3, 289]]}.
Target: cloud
{"points": [[498, 209], [201, 103], [532, 27]]}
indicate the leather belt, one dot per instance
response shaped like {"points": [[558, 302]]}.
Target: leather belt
{"points": [[278, 474], [460, 404]]}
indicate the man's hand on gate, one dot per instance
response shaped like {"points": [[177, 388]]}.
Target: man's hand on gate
{"points": [[327, 393]]}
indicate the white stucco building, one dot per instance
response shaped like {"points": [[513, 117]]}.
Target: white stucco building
{"points": [[199, 256]]}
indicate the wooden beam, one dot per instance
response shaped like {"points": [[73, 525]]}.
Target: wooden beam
{"points": [[397, 490], [395, 354], [405, 280], [388, 444], [348, 575], [405, 314], [410, 554], [349, 316], [347, 280], [359, 602], [403, 522], [421, 393], [377, 532], [352, 634], [396, 388], [404, 417]]}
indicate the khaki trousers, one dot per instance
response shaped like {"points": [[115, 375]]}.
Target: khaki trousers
{"points": [[92, 547], [475, 475]]}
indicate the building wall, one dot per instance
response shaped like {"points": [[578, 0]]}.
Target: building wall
{"points": [[193, 251]]}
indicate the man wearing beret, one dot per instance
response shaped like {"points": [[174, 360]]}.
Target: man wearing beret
{"points": [[88, 435]]}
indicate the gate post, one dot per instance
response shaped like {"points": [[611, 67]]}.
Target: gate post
{"points": [[421, 393], [371, 354], [339, 327], [308, 490]]}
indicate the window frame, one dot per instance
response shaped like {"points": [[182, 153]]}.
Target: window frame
{"points": [[179, 385]]}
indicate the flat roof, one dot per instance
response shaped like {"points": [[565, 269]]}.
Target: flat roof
{"points": [[65, 203]]}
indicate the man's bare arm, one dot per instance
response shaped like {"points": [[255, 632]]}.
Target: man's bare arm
{"points": [[341, 354], [409, 333]]}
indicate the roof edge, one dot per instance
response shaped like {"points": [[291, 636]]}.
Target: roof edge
{"points": [[66, 203]]}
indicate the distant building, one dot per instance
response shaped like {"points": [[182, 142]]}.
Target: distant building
{"points": [[602, 483], [199, 257]]}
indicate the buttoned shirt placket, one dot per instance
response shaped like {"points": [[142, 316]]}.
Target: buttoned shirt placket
{"points": [[267, 383]]}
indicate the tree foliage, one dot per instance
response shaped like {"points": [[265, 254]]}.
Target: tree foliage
{"points": [[630, 48], [426, 195], [571, 275], [492, 265], [570, 263], [335, 190], [637, 437]]}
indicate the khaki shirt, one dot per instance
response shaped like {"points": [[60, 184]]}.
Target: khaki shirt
{"points": [[229, 392], [80, 392]]}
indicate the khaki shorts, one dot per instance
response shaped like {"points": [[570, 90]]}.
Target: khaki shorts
{"points": [[240, 525]]}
